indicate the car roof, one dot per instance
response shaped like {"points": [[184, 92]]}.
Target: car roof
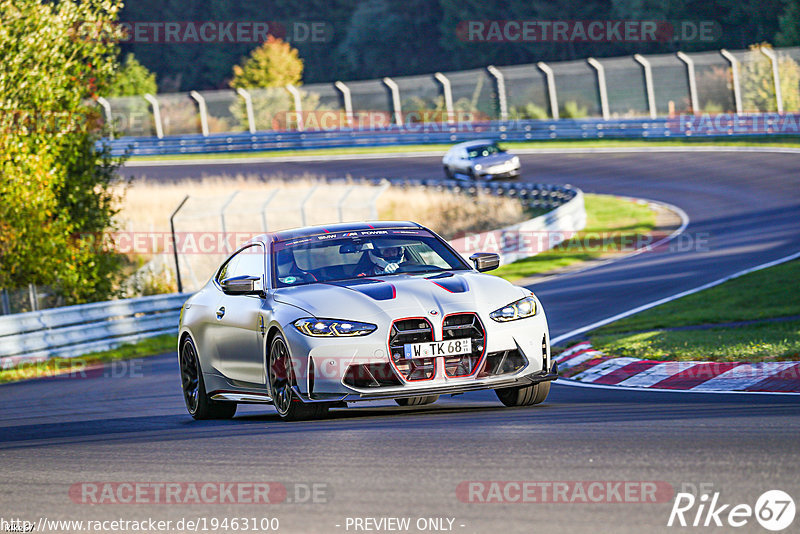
{"points": [[295, 233], [477, 142]]}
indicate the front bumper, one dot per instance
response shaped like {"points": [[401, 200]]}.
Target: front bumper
{"points": [[477, 385], [516, 354], [486, 175]]}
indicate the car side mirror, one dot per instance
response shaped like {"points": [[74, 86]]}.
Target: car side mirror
{"points": [[241, 285], [485, 261]]}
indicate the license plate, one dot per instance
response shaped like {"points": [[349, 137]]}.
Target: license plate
{"points": [[432, 349]]}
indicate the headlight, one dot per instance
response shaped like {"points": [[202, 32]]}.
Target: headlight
{"points": [[515, 160], [478, 167], [524, 307], [333, 327]]}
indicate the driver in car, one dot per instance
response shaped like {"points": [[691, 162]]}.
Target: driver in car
{"points": [[383, 258]]}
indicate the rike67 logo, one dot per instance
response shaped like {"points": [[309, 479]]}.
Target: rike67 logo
{"points": [[774, 510]]}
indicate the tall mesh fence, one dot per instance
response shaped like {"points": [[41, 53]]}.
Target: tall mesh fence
{"points": [[474, 93], [131, 116], [421, 99], [670, 85], [714, 83], [526, 92], [475, 97], [576, 86], [371, 103], [179, 114], [226, 112], [627, 96]]}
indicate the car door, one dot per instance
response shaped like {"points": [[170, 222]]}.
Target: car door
{"points": [[239, 320]]}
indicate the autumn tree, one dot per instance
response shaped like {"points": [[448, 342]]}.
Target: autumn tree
{"points": [[56, 177]]}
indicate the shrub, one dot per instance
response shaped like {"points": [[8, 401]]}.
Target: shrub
{"points": [[758, 87], [571, 110]]}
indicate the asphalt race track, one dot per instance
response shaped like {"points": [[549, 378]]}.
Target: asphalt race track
{"points": [[128, 424]]}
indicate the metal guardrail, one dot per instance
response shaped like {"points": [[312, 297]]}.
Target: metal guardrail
{"points": [[439, 133], [77, 330]]}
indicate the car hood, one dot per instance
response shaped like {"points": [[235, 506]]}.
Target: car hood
{"points": [[496, 159], [392, 297]]}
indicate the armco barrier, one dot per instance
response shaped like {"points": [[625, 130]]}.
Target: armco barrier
{"points": [[438, 133], [76, 330], [530, 237]]}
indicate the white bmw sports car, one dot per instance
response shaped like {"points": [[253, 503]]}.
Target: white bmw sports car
{"points": [[319, 317]]}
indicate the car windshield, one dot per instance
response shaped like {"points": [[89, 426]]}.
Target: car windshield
{"points": [[483, 151], [357, 254]]}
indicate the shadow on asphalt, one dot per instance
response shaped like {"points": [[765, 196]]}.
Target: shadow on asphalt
{"points": [[566, 406]]}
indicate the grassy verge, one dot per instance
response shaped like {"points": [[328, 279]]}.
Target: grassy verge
{"points": [[59, 366], [760, 296], [785, 141], [763, 294], [605, 215]]}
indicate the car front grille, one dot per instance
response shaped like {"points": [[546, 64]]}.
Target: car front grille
{"points": [[411, 331], [464, 325]]}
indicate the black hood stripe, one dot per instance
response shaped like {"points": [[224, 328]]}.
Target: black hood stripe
{"points": [[453, 285], [375, 289]]}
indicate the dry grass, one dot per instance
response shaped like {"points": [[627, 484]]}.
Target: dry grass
{"points": [[449, 214], [147, 205]]}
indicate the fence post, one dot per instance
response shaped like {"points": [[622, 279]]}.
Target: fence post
{"points": [[648, 84], [776, 77], [551, 88], [500, 88], [347, 102], [374, 200], [601, 86], [6, 304], [248, 106], [201, 106], [264, 208], [394, 92], [298, 106], [303, 205], [107, 112], [692, 81], [175, 243], [340, 204], [737, 90], [32, 297], [156, 114], [447, 92]]}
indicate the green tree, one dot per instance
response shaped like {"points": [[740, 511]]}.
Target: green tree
{"points": [[56, 187], [132, 79], [790, 25], [758, 86], [273, 64]]}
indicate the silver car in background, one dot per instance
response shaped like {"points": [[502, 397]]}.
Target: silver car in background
{"points": [[321, 317], [480, 160]]}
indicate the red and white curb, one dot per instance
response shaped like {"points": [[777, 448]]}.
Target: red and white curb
{"points": [[585, 364]]}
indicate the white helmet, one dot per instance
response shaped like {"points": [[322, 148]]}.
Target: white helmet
{"points": [[387, 257]]}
